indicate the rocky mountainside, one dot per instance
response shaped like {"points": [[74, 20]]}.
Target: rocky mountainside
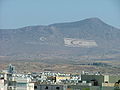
{"points": [[86, 39]]}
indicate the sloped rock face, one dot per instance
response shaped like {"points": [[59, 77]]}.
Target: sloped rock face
{"points": [[48, 42]]}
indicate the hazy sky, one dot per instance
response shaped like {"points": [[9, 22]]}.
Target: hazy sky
{"points": [[20, 13]]}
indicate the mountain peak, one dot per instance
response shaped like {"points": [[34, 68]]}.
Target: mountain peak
{"points": [[93, 19], [88, 21]]}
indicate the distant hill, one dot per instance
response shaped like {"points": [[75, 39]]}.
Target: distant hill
{"points": [[48, 42]]}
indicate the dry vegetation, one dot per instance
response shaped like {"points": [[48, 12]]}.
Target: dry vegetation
{"points": [[25, 66]]}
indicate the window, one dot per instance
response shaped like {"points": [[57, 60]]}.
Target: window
{"points": [[57, 88], [35, 87], [106, 81], [46, 87]]}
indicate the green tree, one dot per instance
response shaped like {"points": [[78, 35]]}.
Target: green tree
{"points": [[85, 89]]}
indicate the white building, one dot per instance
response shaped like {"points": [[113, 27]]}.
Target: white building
{"points": [[21, 83], [3, 84]]}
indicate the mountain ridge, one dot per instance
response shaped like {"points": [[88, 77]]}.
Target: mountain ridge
{"points": [[40, 42]]}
